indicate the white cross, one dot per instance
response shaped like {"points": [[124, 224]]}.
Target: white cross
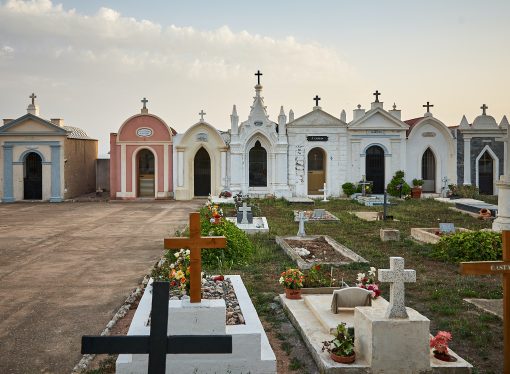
{"points": [[302, 219], [397, 276], [325, 193], [202, 115], [245, 209]]}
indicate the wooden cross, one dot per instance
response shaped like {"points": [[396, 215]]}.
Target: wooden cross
{"points": [[258, 74], [316, 98], [428, 106], [503, 268], [202, 115], [195, 243], [157, 344], [144, 101], [484, 108], [376, 94], [33, 96]]}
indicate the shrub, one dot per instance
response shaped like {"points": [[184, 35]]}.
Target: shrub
{"points": [[465, 191], [417, 182], [396, 181], [349, 188], [469, 246]]}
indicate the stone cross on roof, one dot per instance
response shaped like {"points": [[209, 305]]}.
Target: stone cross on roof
{"points": [[258, 74], [397, 276], [202, 115], [376, 94], [33, 96], [316, 98], [484, 108], [428, 106], [244, 209], [144, 101]]}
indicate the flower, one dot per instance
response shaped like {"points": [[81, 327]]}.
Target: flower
{"points": [[292, 279], [440, 342], [179, 274], [369, 283], [372, 271], [360, 276]]}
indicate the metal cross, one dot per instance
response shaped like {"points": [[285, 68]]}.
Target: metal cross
{"points": [[484, 108], [376, 94], [157, 344], [33, 98], [316, 98], [258, 74], [144, 101], [202, 115], [428, 106], [396, 275], [244, 209]]}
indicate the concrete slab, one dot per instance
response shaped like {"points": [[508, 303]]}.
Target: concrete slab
{"points": [[428, 234], [66, 269], [493, 306], [259, 225], [328, 216], [299, 200]]}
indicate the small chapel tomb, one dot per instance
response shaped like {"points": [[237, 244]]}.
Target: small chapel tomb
{"points": [[432, 235], [319, 215], [317, 249], [249, 224]]}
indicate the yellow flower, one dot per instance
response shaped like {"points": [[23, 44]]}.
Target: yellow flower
{"points": [[179, 274]]}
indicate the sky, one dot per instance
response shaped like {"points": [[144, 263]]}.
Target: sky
{"points": [[91, 62]]}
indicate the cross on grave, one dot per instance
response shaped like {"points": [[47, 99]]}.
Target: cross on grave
{"points": [[258, 74], [157, 344], [202, 115], [325, 191], [33, 96], [144, 101], [376, 94], [195, 243], [428, 106], [302, 219], [244, 209], [316, 98], [494, 268], [484, 108], [396, 275]]}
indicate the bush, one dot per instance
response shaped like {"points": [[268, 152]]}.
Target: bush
{"points": [[465, 191], [417, 182], [396, 181], [469, 246], [349, 188]]}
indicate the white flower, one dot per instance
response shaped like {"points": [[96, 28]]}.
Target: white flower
{"points": [[188, 252], [176, 254], [360, 276], [372, 271], [172, 266], [282, 280]]}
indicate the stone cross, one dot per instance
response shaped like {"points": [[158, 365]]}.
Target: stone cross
{"points": [[202, 115], [397, 276], [144, 101], [302, 219], [376, 94], [503, 268], [258, 74], [244, 209], [195, 243], [484, 108], [316, 98], [33, 96], [325, 191], [428, 106]]}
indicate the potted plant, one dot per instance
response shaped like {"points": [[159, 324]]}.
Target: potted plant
{"points": [[439, 345], [341, 348], [292, 281], [417, 187], [369, 283]]}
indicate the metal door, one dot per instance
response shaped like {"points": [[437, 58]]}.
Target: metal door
{"points": [[202, 173], [428, 171], [316, 171], [486, 174], [374, 164], [32, 181]]}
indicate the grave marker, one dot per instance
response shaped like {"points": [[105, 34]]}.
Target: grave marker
{"points": [[195, 243], [325, 191], [447, 228], [302, 219], [397, 276], [244, 210], [318, 213]]}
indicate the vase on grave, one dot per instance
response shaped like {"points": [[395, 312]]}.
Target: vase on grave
{"points": [[416, 192], [343, 359], [293, 294]]}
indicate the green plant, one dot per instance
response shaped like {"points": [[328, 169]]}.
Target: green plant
{"points": [[292, 279], [469, 246], [316, 277], [398, 186], [349, 188], [465, 191], [342, 344], [417, 182]]}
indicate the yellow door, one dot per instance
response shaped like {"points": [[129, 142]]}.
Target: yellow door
{"points": [[316, 171]]}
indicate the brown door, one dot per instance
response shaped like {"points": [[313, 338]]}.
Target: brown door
{"points": [[316, 171], [202, 173], [146, 173], [428, 171]]}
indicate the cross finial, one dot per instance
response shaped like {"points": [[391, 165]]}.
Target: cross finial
{"points": [[396, 275], [33, 96], [258, 74], [202, 115], [144, 101], [484, 108], [394, 106], [376, 94], [316, 98], [428, 106]]}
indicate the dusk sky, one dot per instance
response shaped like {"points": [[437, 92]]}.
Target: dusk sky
{"points": [[91, 62]]}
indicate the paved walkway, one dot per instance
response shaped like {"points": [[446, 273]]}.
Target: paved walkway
{"points": [[66, 268]]}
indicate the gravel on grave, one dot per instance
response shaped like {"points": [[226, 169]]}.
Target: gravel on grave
{"points": [[319, 250], [219, 290]]}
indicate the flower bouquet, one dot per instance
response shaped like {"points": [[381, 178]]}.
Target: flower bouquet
{"points": [[180, 270], [439, 345], [292, 281], [368, 282]]}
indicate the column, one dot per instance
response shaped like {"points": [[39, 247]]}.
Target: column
{"points": [[8, 183], [166, 169], [123, 170], [223, 170], [180, 168], [56, 180], [467, 161]]}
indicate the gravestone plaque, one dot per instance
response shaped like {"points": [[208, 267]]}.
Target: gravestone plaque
{"points": [[240, 217], [318, 213], [447, 228]]}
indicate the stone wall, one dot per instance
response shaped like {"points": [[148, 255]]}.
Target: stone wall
{"points": [[79, 166], [103, 174]]}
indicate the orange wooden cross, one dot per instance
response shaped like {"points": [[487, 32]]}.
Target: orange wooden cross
{"points": [[503, 268], [195, 243]]}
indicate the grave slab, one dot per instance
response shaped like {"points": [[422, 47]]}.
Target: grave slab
{"points": [[259, 225], [428, 235], [389, 234], [299, 200], [492, 306], [309, 215]]}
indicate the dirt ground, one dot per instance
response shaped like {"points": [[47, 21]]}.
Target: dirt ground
{"points": [[66, 268]]}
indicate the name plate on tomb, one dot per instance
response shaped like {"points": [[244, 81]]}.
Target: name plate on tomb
{"points": [[428, 134], [317, 138], [144, 132], [202, 137]]}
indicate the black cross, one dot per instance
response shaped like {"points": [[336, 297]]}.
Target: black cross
{"points": [[316, 98], [428, 106], [33, 98], [484, 108], [144, 101], [258, 74], [157, 344], [376, 94]]}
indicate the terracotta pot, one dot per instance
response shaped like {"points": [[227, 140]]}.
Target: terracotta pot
{"points": [[444, 357], [416, 192], [343, 359], [292, 294]]}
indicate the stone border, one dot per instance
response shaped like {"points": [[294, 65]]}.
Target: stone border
{"points": [[249, 228], [427, 234], [304, 265]]}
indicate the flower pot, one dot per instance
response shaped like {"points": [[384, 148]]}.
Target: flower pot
{"points": [[343, 359], [444, 357], [292, 294], [416, 192]]}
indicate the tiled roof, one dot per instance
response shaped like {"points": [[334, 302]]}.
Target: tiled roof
{"points": [[412, 122], [76, 133]]}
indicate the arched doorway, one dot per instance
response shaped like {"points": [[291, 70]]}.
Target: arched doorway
{"points": [[32, 179], [258, 166], [486, 174], [146, 180], [202, 173], [316, 171], [374, 166], [428, 171]]}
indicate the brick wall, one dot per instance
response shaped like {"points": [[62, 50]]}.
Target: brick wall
{"points": [[80, 166]]}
